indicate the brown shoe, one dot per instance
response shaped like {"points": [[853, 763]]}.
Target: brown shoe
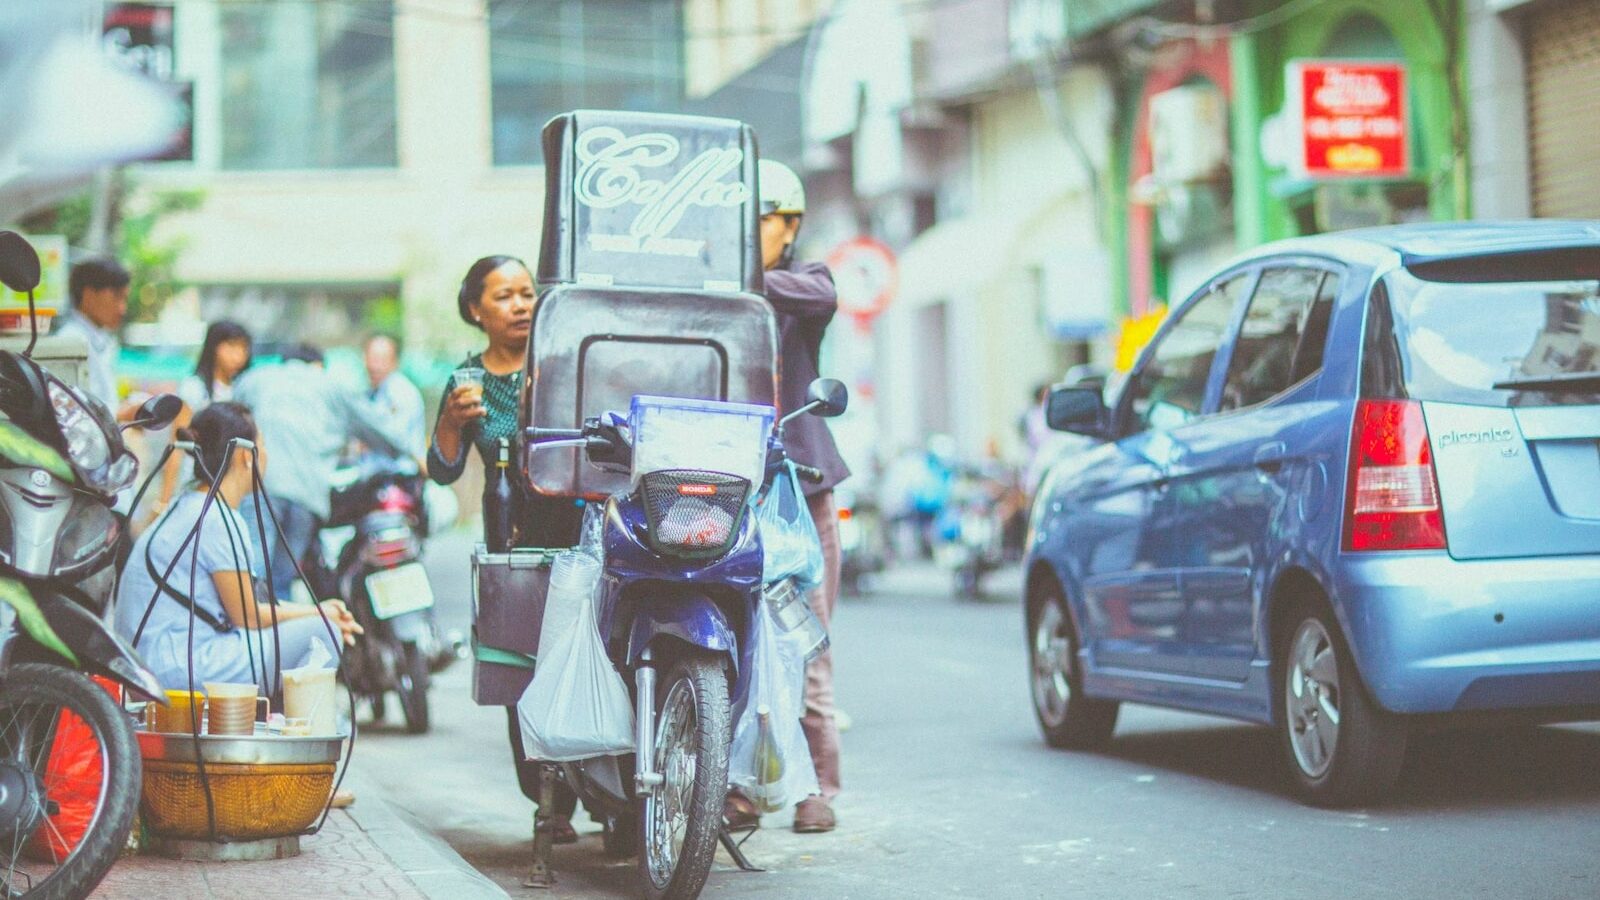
{"points": [[814, 816], [739, 814]]}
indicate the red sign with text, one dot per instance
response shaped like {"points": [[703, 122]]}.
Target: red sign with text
{"points": [[1349, 119]]}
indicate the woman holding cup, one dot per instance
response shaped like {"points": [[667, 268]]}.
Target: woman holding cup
{"points": [[480, 406]]}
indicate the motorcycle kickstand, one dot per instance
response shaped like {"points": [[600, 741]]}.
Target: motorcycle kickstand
{"points": [[540, 875], [736, 850]]}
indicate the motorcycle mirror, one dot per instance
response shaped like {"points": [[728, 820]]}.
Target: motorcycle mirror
{"points": [[19, 263], [157, 412], [827, 397]]}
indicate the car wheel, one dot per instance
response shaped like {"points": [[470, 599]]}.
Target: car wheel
{"points": [[1341, 748], [1069, 719]]}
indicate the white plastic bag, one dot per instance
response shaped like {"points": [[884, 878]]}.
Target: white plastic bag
{"points": [[770, 761], [576, 707], [789, 543]]}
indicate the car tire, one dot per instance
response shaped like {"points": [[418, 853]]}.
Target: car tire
{"points": [[1316, 685], [1069, 719]]}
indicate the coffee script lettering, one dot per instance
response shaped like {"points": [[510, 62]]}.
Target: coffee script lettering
{"points": [[610, 175]]}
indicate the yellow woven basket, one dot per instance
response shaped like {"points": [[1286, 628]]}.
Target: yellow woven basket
{"points": [[253, 801]]}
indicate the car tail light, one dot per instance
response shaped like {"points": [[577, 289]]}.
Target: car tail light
{"points": [[1392, 500], [693, 513]]}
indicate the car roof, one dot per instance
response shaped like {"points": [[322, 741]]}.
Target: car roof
{"points": [[1436, 241]]}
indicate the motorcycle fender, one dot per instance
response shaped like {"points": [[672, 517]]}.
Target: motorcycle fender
{"points": [[694, 621], [99, 649]]}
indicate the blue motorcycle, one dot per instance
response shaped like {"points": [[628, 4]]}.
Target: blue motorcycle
{"points": [[682, 579]]}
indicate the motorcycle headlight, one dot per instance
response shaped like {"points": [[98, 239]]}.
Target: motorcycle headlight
{"points": [[99, 460]]}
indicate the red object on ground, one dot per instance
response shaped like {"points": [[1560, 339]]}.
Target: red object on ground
{"points": [[72, 780]]}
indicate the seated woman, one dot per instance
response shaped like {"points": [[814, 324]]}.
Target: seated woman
{"points": [[233, 639]]}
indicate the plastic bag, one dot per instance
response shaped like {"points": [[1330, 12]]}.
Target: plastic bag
{"points": [[591, 539], [577, 706], [769, 760], [789, 541], [74, 774]]}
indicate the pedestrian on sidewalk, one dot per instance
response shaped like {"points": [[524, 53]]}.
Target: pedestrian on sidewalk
{"points": [[804, 298], [497, 297], [307, 418]]}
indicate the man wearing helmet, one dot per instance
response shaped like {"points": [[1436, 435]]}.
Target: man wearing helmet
{"points": [[803, 296]]}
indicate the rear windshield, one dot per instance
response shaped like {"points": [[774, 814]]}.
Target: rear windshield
{"points": [[1456, 341]]}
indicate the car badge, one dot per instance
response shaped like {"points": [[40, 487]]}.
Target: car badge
{"points": [[40, 478]]}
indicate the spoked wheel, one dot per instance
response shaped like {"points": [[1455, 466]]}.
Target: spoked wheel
{"points": [[411, 682], [1341, 747], [680, 817], [1068, 718], [66, 753]]}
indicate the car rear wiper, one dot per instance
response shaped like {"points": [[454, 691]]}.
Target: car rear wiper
{"points": [[1577, 382]]}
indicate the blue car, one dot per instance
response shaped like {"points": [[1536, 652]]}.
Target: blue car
{"points": [[1351, 488]]}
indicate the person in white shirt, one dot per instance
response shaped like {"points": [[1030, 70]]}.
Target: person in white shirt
{"points": [[395, 397], [99, 289]]}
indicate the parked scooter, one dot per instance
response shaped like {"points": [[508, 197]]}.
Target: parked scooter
{"points": [[380, 577], [62, 464], [983, 527], [682, 581], [863, 541]]}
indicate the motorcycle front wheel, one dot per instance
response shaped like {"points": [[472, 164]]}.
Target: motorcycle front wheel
{"points": [[680, 818], [67, 752]]}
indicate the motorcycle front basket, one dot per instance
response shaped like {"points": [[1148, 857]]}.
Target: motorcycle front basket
{"points": [[693, 514]]}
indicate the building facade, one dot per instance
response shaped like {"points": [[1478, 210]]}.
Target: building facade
{"points": [[355, 158]]}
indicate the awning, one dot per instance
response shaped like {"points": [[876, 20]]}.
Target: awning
{"points": [[957, 256]]}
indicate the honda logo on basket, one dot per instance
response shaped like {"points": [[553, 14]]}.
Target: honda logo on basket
{"points": [[697, 490]]}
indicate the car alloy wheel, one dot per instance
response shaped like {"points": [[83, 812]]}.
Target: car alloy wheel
{"points": [[1312, 697], [1052, 665]]}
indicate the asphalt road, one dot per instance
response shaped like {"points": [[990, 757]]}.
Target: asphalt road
{"points": [[950, 792]]}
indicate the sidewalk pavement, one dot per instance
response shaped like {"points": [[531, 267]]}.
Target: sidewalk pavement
{"points": [[371, 849]]}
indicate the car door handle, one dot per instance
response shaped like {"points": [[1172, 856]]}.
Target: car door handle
{"points": [[1269, 457]]}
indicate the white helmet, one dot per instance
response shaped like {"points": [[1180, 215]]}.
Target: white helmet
{"points": [[781, 190]]}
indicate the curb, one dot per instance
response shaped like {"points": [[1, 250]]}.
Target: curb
{"points": [[436, 869]]}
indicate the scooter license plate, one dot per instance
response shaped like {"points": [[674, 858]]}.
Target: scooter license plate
{"points": [[399, 590]]}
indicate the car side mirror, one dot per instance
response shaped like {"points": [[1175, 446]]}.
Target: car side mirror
{"points": [[157, 412], [19, 263], [828, 397], [1080, 410]]}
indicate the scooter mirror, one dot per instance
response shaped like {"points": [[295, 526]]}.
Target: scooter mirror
{"points": [[830, 397], [158, 412], [19, 263]]}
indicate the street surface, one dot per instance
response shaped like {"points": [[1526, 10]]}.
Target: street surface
{"points": [[950, 792]]}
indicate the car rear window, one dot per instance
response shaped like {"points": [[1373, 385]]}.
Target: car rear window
{"points": [[1457, 341]]}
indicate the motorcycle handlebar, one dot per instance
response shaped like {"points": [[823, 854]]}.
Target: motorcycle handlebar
{"points": [[541, 435], [809, 474]]}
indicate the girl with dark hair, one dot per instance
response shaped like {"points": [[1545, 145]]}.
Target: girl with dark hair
{"points": [[224, 356], [497, 297], [211, 588], [226, 353]]}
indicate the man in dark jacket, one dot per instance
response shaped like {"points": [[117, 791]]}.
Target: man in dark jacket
{"points": [[804, 298]]}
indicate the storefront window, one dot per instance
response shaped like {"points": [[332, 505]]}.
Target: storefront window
{"points": [[327, 315], [551, 57], [307, 85]]}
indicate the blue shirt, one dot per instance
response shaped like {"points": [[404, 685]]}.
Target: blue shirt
{"points": [[306, 419], [220, 546]]}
